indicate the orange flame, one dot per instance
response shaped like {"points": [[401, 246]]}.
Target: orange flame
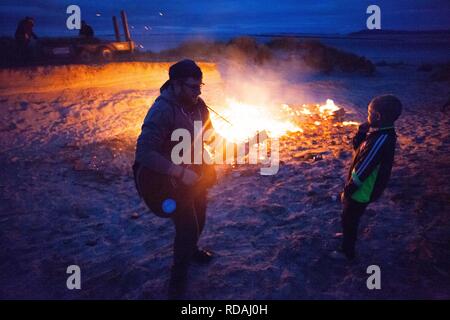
{"points": [[247, 120]]}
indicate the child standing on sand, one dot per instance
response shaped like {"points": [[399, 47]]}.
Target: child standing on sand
{"points": [[374, 146]]}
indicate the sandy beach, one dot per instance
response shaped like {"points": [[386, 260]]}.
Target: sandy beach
{"points": [[67, 141]]}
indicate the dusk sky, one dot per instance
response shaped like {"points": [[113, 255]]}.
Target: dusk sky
{"points": [[237, 16]]}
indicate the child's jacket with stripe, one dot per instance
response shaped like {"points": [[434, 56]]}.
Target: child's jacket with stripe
{"points": [[372, 164]]}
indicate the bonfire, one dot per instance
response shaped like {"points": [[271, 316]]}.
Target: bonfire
{"points": [[240, 122]]}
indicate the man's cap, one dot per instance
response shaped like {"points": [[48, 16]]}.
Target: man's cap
{"points": [[182, 70], [185, 69]]}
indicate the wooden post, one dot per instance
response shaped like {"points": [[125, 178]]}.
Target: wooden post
{"points": [[125, 25], [116, 28]]}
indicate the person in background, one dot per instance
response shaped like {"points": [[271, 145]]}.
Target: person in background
{"points": [[24, 34], [86, 30]]}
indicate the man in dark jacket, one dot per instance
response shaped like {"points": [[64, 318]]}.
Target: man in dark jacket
{"points": [[176, 191], [371, 167]]}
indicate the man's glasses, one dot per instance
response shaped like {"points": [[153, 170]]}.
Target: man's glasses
{"points": [[194, 86]]}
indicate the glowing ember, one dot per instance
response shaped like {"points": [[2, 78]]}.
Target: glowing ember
{"points": [[306, 111], [350, 123], [329, 108], [247, 120]]}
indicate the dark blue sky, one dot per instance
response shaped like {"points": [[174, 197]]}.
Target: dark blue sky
{"points": [[236, 16]]}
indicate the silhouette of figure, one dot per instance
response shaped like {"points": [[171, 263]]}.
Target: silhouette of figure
{"points": [[86, 30], [23, 35]]}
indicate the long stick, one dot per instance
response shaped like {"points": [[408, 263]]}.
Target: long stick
{"points": [[220, 115]]}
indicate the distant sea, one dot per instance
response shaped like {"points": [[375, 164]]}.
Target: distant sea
{"points": [[407, 48]]}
